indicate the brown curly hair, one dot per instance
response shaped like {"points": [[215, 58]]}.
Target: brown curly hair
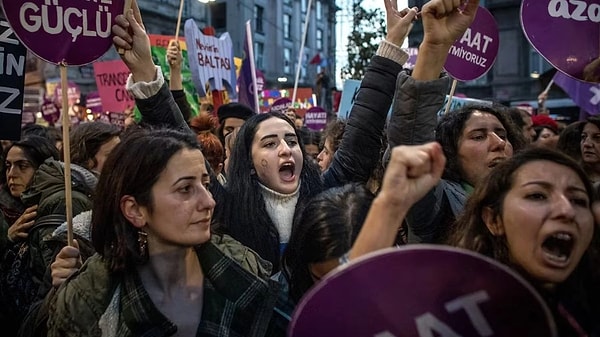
{"points": [[212, 148]]}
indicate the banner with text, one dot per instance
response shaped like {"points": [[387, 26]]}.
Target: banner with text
{"points": [[422, 291], [111, 78], [566, 34], [12, 82], [211, 60], [71, 32]]}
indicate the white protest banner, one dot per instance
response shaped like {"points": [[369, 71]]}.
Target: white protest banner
{"points": [[210, 59]]}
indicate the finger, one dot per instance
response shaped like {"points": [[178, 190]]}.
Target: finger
{"points": [[137, 13], [25, 226], [410, 14], [137, 29], [388, 6], [471, 8], [120, 43], [68, 252], [122, 32], [121, 20], [31, 209]]}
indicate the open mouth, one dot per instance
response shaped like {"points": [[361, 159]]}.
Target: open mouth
{"points": [[558, 247], [287, 171]]}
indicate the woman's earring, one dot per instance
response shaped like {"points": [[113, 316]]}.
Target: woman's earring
{"points": [[252, 172], [143, 244]]}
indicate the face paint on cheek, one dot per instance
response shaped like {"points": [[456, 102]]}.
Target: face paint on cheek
{"points": [[264, 163]]}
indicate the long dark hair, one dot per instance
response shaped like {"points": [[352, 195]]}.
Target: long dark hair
{"points": [[35, 148], [326, 229], [243, 214], [471, 232], [132, 168], [451, 126]]}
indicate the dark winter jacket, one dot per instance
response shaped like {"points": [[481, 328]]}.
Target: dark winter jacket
{"points": [[238, 300], [413, 122], [23, 269]]}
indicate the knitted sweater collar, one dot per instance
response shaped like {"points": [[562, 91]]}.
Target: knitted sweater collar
{"points": [[281, 208]]}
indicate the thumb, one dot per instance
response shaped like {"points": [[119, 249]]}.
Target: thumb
{"points": [[471, 7], [134, 23], [75, 244]]}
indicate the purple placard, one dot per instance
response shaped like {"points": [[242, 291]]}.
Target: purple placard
{"points": [[73, 94], [315, 118], [281, 105], [73, 32], [585, 95], [473, 55], [566, 33], [412, 57], [422, 290], [50, 111], [94, 102]]}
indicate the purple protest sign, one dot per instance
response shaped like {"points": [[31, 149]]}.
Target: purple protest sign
{"points": [[73, 93], [281, 105], [412, 57], [72, 32], [566, 34], [315, 118], [422, 290], [93, 102], [50, 111], [473, 55], [585, 95]]}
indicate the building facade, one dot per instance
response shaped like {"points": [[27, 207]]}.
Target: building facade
{"points": [[519, 74], [277, 26]]}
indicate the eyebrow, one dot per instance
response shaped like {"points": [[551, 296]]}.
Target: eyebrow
{"points": [[183, 178], [291, 134], [549, 185]]}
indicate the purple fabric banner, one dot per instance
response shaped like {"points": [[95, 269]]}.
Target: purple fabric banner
{"points": [[586, 95], [246, 92]]}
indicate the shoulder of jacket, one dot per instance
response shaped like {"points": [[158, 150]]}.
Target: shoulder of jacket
{"points": [[243, 255]]}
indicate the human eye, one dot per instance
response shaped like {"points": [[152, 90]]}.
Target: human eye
{"points": [[536, 196], [23, 166], [292, 142], [478, 136], [582, 202], [501, 134], [185, 189], [269, 144]]}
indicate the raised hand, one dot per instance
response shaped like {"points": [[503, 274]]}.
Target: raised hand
{"points": [[67, 262], [444, 21], [174, 56], [20, 229], [411, 173], [398, 23], [130, 35]]}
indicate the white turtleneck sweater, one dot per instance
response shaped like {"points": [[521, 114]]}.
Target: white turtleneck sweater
{"points": [[281, 208]]}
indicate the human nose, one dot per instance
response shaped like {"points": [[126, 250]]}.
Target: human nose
{"points": [[11, 171], [206, 200], [497, 143], [563, 208], [320, 155], [587, 142], [284, 148]]}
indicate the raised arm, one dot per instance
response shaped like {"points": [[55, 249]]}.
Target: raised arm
{"points": [[421, 95], [360, 148], [146, 82], [411, 173], [175, 61]]}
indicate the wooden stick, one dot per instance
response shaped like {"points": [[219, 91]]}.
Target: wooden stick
{"points": [[299, 65], [66, 151], [127, 7], [179, 21], [452, 90]]}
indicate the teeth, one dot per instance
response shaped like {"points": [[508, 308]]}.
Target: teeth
{"points": [[562, 236]]}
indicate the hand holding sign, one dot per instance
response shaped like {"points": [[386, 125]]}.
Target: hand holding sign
{"points": [[130, 36]]}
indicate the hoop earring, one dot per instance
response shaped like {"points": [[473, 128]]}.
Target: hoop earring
{"points": [[143, 244]]}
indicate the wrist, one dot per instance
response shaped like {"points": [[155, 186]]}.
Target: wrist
{"points": [[145, 73]]}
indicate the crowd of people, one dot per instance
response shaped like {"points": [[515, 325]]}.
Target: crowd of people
{"points": [[219, 226]]}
